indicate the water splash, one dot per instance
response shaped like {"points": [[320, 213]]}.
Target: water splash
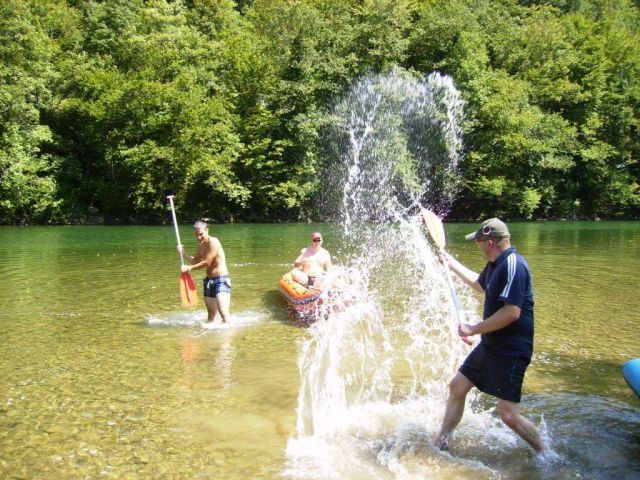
{"points": [[198, 319], [397, 141], [374, 375]]}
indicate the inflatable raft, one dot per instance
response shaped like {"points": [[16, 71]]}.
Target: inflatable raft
{"points": [[631, 373], [302, 303]]}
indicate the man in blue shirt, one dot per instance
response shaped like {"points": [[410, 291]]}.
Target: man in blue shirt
{"points": [[497, 365]]}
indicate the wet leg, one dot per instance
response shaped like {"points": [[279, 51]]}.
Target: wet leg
{"points": [[458, 389], [510, 415], [212, 308], [224, 301]]}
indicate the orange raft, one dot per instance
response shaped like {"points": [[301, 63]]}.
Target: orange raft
{"points": [[302, 303]]}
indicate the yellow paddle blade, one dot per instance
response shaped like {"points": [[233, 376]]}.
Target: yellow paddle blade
{"points": [[188, 291], [435, 227]]}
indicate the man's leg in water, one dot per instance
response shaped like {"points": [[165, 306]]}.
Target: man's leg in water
{"points": [[458, 389], [510, 415], [224, 301], [212, 308]]}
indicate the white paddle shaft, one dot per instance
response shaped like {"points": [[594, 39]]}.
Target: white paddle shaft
{"points": [[456, 302], [436, 230], [175, 225]]}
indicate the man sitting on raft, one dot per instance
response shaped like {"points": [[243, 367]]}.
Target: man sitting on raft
{"points": [[312, 265]]}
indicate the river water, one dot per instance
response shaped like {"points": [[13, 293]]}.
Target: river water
{"points": [[105, 375]]}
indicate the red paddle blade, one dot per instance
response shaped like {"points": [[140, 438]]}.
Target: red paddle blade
{"points": [[188, 290]]}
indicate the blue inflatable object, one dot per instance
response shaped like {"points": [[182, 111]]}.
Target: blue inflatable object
{"points": [[631, 373]]}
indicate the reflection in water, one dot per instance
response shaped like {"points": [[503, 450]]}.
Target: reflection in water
{"points": [[220, 354], [206, 397]]}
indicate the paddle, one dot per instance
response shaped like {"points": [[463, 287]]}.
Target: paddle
{"points": [[436, 230], [187, 288]]}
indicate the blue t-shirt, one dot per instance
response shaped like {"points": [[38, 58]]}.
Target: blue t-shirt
{"points": [[508, 280]]}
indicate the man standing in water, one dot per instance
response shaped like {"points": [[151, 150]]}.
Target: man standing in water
{"points": [[217, 284], [313, 264], [497, 365]]}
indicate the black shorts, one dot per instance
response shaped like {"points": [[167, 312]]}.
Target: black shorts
{"points": [[497, 375]]}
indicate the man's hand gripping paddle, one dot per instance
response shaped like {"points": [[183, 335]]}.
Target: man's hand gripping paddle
{"points": [[436, 230], [187, 288]]}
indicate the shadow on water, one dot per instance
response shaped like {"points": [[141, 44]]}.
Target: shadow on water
{"points": [[591, 436], [590, 416], [276, 304]]}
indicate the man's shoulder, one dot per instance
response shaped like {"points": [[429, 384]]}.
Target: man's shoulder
{"points": [[216, 243], [513, 267], [517, 259], [212, 244], [509, 256]]}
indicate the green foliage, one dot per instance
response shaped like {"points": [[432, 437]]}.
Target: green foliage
{"points": [[150, 105], [27, 182], [107, 106], [551, 103]]}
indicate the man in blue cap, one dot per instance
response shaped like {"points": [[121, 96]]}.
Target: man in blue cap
{"points": [[497, 365]]}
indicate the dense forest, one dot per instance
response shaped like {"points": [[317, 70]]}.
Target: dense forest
{"points": [[106, 106]]}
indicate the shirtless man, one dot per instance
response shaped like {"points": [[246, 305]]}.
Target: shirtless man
{"points": [[312, 265], [217, 284]]}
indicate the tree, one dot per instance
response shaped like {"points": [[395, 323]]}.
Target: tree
{"points": [[28, 190]]}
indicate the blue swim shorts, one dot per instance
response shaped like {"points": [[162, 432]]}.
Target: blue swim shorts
{"points": [[497, 375], [214, 286]]}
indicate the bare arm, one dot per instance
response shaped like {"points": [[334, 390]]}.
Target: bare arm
{"points": [[184, 254], [504, 316], [467, 275], [204, 259], [297, 263], [189, 258]]}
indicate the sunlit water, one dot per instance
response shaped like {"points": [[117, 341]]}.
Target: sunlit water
{"points": [[104, 374]]}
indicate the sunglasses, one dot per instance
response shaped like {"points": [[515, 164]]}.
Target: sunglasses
{"points": [[316, 240]]}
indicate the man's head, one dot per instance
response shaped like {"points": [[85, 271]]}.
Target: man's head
{"points": [[201, 231], [199, 224], [316, 238], [492, 238], [492, 228]]}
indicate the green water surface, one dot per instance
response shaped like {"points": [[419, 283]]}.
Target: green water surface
{"points": [[104, 375]]}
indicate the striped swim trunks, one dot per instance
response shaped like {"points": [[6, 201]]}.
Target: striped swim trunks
{"points": [[214, 286]]}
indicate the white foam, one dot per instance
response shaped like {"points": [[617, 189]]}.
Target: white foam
{"points": [[198, 319], [238, 320]]}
